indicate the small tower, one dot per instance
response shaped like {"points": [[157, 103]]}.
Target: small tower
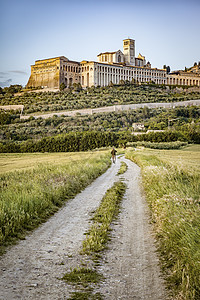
{"points": [[129, 51]]}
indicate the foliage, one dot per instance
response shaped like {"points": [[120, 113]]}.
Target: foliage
{"points": [[96, 97], [88, 140], [24, 204], [123, 168], [186, 121], [98, 233], [82, 276], [166, 146], [71, 142], [87, 295], [7, 117], [172, 191], [12, 89], [62, 86]]}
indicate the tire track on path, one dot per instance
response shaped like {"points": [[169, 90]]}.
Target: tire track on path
{"points": [[130, 266]]}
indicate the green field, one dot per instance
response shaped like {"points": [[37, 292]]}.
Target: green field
{"points": [[26, 161], [171, 182], [187, 158], [33, 186]]}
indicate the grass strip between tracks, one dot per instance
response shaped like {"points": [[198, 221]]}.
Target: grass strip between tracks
{"points": [[123, 168], [96, 240]]}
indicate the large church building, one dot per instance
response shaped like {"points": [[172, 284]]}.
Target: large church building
{"points": [[110, 67]]}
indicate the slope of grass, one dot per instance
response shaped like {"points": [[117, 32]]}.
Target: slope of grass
{"points": [[172, 190], [26, 203]]}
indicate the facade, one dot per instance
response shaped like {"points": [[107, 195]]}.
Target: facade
{"points": [[183, 78], [111, 67], [102, 74], [52, 72]]}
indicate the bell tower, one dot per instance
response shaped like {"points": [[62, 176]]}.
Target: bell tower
{"points": [[129, 51]]}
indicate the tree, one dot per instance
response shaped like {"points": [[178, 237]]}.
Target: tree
{"points": [[62, 86], [122, 82], [168, 69], [133, 81]]}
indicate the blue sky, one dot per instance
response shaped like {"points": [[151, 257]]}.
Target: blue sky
{"points": [[166, 32]]}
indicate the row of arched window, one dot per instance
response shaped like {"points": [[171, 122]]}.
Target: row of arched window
{"points": [[69, 68], [183, 81]]}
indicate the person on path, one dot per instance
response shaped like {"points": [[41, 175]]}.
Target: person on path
{"points": [[113, 152]]}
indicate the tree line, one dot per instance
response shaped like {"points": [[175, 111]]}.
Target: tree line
{"points": [[83, 141]]}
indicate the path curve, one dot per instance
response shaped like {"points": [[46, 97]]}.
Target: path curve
{"points": [[30, 269]]}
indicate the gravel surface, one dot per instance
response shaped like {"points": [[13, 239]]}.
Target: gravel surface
{"points": [[32, 268], [131, 265]]}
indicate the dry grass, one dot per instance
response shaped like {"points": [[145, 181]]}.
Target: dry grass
{"points": [[172, 186], [29, 194]]}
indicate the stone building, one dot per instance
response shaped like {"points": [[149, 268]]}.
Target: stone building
{"points": [[183, 78], [102, 74], [53, 71], [111, 67]]}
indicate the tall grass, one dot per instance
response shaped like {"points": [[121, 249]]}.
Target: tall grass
{"points": [[173, 193], [28, 197]]}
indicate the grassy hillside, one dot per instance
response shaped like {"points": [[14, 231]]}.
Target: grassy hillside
{"points": [[96, 97], [184, 119], [171, 182]]}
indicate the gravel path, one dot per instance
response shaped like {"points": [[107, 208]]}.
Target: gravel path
{"points": [[30, 269], [130, 265]]}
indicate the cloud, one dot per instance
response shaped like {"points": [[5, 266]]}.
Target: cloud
{"points": [[18, 72], [6, 82], [3, 74]]}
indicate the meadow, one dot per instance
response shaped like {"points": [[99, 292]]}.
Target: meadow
{"points": [[34, 186], [171, 183]]}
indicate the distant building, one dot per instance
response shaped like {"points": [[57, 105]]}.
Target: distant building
{"points": [[138, 126], [111, 67]]}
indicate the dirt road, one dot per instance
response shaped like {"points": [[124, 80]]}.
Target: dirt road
{"points": [[30, 269]]}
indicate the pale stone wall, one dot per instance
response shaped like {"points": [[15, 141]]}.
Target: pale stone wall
{"points": [[187, 79], [54, 71], [70, 72], [102, 74], [45, 73]]}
